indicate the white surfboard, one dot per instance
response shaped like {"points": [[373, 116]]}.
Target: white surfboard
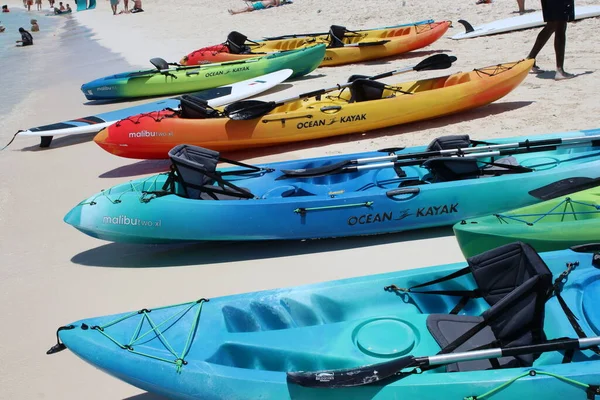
{"points": [[525, 21], [215, 97]]}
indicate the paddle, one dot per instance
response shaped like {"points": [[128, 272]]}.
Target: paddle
{"points": [[564, 187], [377, 372], [250, 109], [546, 144]]}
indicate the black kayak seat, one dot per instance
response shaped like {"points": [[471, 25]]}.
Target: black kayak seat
{"points": [[447, 169], [336, 34], [516, 282], [196, 172], [449, 142], [236, 42], [193, 107], [366, 90]]}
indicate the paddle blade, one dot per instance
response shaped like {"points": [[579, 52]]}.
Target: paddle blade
{"points": [[351, 376], [564, 187], [159, 63], [437, 61], [248, 109]]}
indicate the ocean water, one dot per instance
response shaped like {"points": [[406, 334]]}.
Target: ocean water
{"points": [[20, 67]]}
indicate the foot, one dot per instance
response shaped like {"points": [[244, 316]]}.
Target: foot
{"points": [[537, 70], [561, 75]]}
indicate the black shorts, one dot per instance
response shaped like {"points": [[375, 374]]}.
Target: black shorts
{"points": [[558, 10]]}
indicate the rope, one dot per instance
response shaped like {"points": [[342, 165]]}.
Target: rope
{"points": [[529, 373], [13, 138], [497, 69], [567, 202], [155, 329], [156, 116], [144, 195]]}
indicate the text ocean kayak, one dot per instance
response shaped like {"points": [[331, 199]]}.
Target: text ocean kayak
{"points": [[189, 79], [363, 107], [195, 202], [215, 97], [555, 224], [352, 46], [254, 345]]}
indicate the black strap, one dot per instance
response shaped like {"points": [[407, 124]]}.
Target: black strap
{"points": [[592, 391], [460, 305], [512, 168], [453, 275], [573, 320]]}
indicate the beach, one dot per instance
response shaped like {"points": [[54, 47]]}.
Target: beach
{"points": [[52, 274]]}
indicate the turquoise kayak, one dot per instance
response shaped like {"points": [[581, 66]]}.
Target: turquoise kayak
{"points": [[290, 343], [343, 195]]}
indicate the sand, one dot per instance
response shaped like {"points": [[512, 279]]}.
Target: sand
{"points": [[52, 275]]}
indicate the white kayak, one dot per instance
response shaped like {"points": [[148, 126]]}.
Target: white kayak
{"points": [[525, 21], [215, 97]]}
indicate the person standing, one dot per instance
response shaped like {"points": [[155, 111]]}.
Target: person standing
{"points": [[521, 4], [113, 6], [126, 5], [38, 5], [556, 15]]}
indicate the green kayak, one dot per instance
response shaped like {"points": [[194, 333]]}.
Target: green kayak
{"points": [[168, 80], [556, 224]]}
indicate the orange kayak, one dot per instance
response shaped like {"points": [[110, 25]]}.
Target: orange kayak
{"points": [[354, 109], [353, 46]]}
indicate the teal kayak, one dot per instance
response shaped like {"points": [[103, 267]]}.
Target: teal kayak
{"points": [[167, 80], [290, 343], [335, 196]]}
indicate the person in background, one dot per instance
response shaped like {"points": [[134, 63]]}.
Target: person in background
{"points": [[126, 6], [68, 8], [61, 7], [5, 8], [137, 6], [29, 4], [26, 38], [38, 5], [34, 26], [256, 5], [521, 4], [51, 3], [556, 15], [113, 6]]}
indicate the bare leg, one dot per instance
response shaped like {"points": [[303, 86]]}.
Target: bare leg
{"points": [[240, 10], [521, 4], [560, 42], [541, 41]]}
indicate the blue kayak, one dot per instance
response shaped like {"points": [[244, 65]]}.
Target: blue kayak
{"points": [[290, 343], [344, 195]]}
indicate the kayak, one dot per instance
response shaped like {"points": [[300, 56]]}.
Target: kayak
{"points": [[525, 21], [351, 46], [215, 97], [289, 343], [555, 224], [333, 196], [367, 105], [166, 80]]}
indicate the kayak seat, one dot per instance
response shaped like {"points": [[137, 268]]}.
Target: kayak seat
{"points": [[336, 35], [236, 43], [195, 108], [452, 80], [448, 169], [366, 90], [286, 191], [449, 142], [516, 282], [194, 170]]}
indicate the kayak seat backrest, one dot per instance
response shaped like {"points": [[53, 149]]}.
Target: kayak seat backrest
{"points": [[447, 169], [336, 35], [466, 77], [499, 271], [449, 142], [194, 168], [366, 90], [195, 108], [236, 42], [516, 282]]}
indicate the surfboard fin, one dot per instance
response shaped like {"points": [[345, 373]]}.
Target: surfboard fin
{"points": [[468, 26], [45, 141]]}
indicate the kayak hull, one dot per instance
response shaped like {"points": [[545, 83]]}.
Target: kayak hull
{"points": [[336, 205], [186, 79], [399, 40], [551, 225], [243, 344], [316, 118]]}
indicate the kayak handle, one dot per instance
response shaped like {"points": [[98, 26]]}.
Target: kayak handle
{"points": [[412, 191], [192, 73]]}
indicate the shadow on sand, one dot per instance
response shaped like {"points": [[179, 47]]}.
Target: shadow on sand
{"points": [[122, 255], [138, 168]]}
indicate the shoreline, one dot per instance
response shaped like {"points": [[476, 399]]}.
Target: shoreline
{"points": [[53, 274]]}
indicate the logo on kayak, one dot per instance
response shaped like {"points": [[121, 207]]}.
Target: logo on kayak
{"points": [[145, 134], [221, 72], [324, 377], [327, 58], [105, 88], [437, 210], [125, 220], [323, 122], [378, 217]]}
